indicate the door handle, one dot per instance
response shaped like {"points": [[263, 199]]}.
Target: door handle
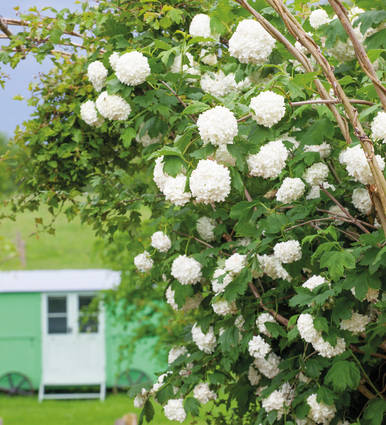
{"points": [[69, 330]]}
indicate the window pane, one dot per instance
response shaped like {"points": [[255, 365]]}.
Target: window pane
{"points": [[57, 305], [88, 319], [85, 301], [57, 325]]}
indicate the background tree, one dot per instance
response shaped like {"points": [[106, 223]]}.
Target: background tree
{"points": [[250, 135]]}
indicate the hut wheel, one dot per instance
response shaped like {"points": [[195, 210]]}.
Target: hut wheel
{"points": [[16, 383], [130, 377]]}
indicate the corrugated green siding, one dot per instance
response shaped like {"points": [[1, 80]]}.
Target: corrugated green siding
{"points": [[20, 335]]}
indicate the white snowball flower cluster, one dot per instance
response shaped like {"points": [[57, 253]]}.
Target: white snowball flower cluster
{"points": [[89, 114], [323, 149], [186, 270], [132, 68], [141, 398], [258, 348], [160, 381], [278, 400], [176, 352], [177, 66], [219, 86], [200, 27], [319, 412], [113, 59], [210, 182], [143, 262], [235, 263], [269, 366], [313, 282], [217, 126], [222, 307], [113, 107], [268, 108], [205, 226], [336, 211], [290, 190], [288, 252], [314, 337], [216, 285], [272, 267], [161, 241], [361, 200], [316, 174], [251, 43], [378, 127], [318, 17], [208, 58], [262, 319], [222, 156], [356, 324], [97, 73], [270, 161], [145, 139], [357, 166], [205, 342], [253, 375], [315, 190], [203, 394], [174, 410]]}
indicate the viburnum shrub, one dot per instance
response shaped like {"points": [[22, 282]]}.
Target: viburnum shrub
{"points": [[250, 138]]}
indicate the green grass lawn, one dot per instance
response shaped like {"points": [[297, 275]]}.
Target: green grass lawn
{"points": [[27, 411], [70, 247]]}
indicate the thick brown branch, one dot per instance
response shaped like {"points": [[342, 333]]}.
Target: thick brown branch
{"points": [[332, 101]]}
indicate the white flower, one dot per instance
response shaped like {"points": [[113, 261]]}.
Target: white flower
{"points": [[143, 262], [178, 68], [372, 295], [200, 27], [176, 352], [268, 108], [174, 410], [344, 51], [132, 68], [277, 401], [357, 166], [270, 161], [203, 394], [239, 323], [378, 127], [361, 200], [159, 176], [216, 285], [170, 298], [186, 270], [235, 263], [89, 114], [141, 398], [191, 303], [313, 282], [145, 139], [323, 149], [318, 17], [218, 85], [205, 227], [217, 126], [268, 367], [272, 267], [251, 43], [288, 252], [262, 319], [222, 156], [336, 211], [319, 412], [161, 242], [113, 107], [290, 190], [258, 348], [356, 324], [113, 59], [208, 58], [159, 383], [97, 73], [315, 190], [316, 174], [253, 375], [222, 307], [174, 190], [306, 328], [210, 182], [205, 342]]}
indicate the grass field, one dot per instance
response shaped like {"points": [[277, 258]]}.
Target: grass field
{"points": [[70, 247], [27, 411]]}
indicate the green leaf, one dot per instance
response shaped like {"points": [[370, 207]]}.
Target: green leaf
{"points": [[148, 410], [274, 223], [195, 107], [275, 329], [325, 395], [362, 281], [336, 262], [315, 366], [192, 405], [317, 132], [369, 18], [166, 150], [375, 412], [334, 31], [342, 309], [321, 324], [229, 338], [127, 136], [237, 181], [203, 152], [343, 374], [172, 165], [165, 393]]}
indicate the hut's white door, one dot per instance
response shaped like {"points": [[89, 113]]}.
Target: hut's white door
{"points": [[73, 341]]}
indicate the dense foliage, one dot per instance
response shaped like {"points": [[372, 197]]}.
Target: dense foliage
{"points": [[250, 136]]}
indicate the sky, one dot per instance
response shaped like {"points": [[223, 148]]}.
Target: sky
{"points": [[14, 112]]}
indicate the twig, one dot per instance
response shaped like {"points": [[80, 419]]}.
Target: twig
{"points": [[200, 241], [193, 117], [332, 101]]}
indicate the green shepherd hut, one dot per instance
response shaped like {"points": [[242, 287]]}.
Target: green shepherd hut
{"points": [[49, 341]]}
